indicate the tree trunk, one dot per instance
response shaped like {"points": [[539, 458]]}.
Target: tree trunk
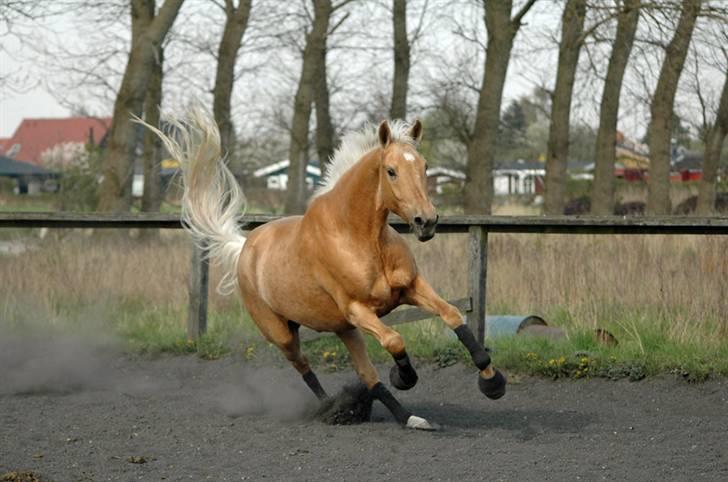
{"points": [[481, 151], [603, 188], [324, 127], [312, 55], [236, 21], [557, 150], [148, 32], [658, 184], [711, 161], [401, 60], [152, 196]]}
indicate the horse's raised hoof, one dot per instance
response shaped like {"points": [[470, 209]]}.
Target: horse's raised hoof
{"points": [[419, 423], [493, 388], [403, 378]]}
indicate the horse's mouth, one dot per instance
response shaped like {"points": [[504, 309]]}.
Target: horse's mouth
{"points": [[424, 233], [425, 237]]}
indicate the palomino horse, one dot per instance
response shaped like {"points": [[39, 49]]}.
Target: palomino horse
{"points": [[337, 268]]}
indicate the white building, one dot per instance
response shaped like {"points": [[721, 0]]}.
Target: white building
{"points": [[518, 177], [276, 175]]}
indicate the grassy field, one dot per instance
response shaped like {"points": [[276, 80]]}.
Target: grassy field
{"points": [[665, 299]]}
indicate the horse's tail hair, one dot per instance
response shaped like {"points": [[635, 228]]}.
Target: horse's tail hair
{"points": [[212, 202]]}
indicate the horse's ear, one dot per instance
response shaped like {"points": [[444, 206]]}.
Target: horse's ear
{"points": [[415, 132], [385, 134]]}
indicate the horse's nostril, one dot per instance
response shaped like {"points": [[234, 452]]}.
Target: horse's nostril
{"points": [[419, 221]]}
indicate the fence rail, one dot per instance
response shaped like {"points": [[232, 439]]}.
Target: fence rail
{"points": [[477, 227], [447, 224]]}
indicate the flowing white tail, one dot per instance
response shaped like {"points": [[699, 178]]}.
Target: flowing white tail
{"points": [[212, 203]]}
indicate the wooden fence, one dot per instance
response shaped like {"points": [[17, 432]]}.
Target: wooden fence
{"points": [[477, 227]]}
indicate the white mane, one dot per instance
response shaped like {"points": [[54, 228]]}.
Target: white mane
{"points": [[354, 145]]}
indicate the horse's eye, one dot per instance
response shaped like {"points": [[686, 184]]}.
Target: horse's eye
{"points": [[391, 172]]}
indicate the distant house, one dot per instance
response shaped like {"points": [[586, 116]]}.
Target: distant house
{"points": [[631, 159], [688, 166], [439, 177], [518, 177], [34, 137], [580, 170], [29, 178], [276, 175]]}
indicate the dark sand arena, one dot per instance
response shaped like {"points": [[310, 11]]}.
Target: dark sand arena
{"points": [[93, 416]]}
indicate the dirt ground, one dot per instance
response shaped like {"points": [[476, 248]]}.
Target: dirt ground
{"points": [[97, 417]]}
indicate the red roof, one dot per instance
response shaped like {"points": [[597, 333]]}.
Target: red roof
{"points": [[3, 141], [35, 136]]}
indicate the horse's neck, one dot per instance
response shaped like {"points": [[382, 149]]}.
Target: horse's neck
{"points": [[357, 203]]}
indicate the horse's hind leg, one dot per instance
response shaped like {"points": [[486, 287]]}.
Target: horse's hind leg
{"points": [[491, 382], [284, 334], [355, 344]]}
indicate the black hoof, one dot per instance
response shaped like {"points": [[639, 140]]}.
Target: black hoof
{"points": [[403, 378], [493, 388]]}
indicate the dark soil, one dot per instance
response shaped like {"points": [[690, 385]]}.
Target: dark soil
{"points": [[182, 418]]}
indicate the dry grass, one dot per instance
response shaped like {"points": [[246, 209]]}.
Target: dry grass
{"points": [[587, 281], [678, 284]]}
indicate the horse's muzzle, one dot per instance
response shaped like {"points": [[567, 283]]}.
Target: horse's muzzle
{"points": [[424, 228]]}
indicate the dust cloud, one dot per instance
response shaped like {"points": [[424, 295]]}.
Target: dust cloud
{"points": [[40, 359], [253, 391], [56, 363]]}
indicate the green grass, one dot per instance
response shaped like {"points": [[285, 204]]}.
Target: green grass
{"points": [[644, 346], [643, 350], [34, 204]]}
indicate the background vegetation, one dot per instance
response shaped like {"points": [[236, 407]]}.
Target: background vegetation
{"points": [[663, 298]]}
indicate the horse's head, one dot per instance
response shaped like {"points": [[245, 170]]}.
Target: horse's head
{"points": [[403, 181]]}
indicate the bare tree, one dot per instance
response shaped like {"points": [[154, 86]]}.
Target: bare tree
{"points": [[236, 21], [572, 38], [310, 81], [662, 109], [401, 60], [713, 147], [148, 32], [324, 126], [502, 30], [20, 23], [298, 152], [152, 195], [604, 157]]}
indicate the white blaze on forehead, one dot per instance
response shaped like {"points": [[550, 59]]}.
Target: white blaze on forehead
{"points": [[409, 156]]}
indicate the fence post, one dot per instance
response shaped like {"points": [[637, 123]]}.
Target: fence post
{"points": [[197, 312], [478, 259]]}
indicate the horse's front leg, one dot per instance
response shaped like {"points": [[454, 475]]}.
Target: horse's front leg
{"points": [[402, 375], [491, 382], [365, 319]]}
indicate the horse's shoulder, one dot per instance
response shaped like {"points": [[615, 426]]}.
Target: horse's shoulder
{"points": [[394, 240], [400, 266]]}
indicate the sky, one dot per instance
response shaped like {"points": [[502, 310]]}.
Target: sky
{"points": [[45, 86]]}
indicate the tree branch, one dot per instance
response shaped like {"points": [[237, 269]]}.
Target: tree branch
{"points": [[516, 21]]}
